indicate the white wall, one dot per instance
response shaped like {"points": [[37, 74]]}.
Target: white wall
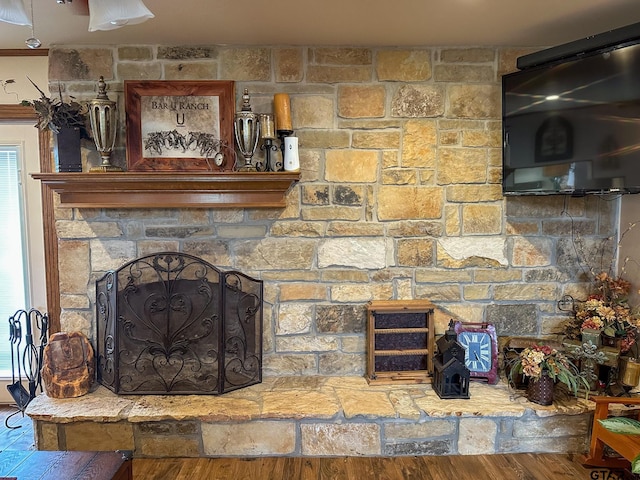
{"points": [[630, 244], [18, 69]]}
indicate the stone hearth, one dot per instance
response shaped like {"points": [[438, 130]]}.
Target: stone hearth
{"points": [[312, 416]]}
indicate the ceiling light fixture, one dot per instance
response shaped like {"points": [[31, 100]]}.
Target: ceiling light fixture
{"points": [[13, 11], [116, 13], [32, 41]]}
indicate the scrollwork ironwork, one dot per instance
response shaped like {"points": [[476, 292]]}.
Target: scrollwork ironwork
{"points": [[164, 332]]}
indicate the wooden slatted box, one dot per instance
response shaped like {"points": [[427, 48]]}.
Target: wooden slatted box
{"points": [[400, 341]]}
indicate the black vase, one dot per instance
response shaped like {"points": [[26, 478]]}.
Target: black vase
{"points": [[66, 147]]}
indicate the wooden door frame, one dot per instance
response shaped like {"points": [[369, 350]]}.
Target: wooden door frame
{"points": [[12, 113]]}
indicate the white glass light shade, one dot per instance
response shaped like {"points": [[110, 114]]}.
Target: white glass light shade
{"points": [[111, 14], [12, 11]]}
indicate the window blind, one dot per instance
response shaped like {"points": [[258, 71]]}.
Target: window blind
{"points": [[12, 265]]}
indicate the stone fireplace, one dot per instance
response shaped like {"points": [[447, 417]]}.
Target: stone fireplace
{"points": [[399, 198], [171, 323]]}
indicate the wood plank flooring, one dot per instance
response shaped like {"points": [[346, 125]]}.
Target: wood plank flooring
{"points": [[19, 438], [467, 467], [523, 466]]}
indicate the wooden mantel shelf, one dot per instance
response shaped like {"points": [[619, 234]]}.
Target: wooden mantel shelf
{"points": [[170, 189]]}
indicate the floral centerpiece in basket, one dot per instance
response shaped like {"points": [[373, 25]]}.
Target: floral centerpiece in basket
{"points": [[607, 314], [545, 366]]}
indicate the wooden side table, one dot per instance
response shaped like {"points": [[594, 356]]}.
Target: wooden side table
{"points": [[54, 465]]}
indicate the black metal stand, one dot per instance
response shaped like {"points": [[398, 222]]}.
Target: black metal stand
{"points": [[268, 166], [28, 359]]}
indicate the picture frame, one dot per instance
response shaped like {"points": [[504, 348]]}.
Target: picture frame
{"points": [[179, 125]]}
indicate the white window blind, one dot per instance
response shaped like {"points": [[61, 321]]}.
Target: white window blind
{"points": [[13, 294]]}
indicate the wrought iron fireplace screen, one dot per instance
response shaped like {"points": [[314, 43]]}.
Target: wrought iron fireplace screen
{"points": [[173, 323]]}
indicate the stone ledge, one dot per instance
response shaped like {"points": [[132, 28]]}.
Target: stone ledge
{"points": [[298, 398], [312, 416]]}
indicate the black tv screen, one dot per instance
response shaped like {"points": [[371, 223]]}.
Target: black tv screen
{"points": [[573, 127]]}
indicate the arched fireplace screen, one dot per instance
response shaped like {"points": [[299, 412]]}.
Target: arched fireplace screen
{"points": [[171, 323]]}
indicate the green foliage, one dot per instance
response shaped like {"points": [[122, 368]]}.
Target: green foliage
{"points": [[573, 379], [624, 425]]}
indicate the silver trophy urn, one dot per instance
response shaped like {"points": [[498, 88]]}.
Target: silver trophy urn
{"points": [[104, 126], [247, 131]]}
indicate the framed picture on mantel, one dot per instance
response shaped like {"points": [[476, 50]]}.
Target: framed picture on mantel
{"points": [[179, 125]]}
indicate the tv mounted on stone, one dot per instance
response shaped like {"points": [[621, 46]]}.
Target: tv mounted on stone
{"points": [[570, 117]]}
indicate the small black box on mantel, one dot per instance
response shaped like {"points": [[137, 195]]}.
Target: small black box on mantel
{"points": [[62, 167], [66, 150]]}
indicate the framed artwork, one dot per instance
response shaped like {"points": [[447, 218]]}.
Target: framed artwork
{"points": [[179, 125]]}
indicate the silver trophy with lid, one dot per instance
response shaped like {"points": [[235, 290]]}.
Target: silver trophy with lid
{"points": [[103, 114], [247, 132]]}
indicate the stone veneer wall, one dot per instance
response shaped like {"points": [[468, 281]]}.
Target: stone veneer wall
{"points": [[399, 198]]}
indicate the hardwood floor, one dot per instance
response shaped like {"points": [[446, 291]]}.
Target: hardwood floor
{"points": [[473, 467], [19, 438], [476, 467]]}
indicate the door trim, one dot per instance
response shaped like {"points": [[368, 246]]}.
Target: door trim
{"points": [[9, 113]]}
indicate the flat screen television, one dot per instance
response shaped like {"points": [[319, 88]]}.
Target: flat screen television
{"points": [[573, 127]]}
